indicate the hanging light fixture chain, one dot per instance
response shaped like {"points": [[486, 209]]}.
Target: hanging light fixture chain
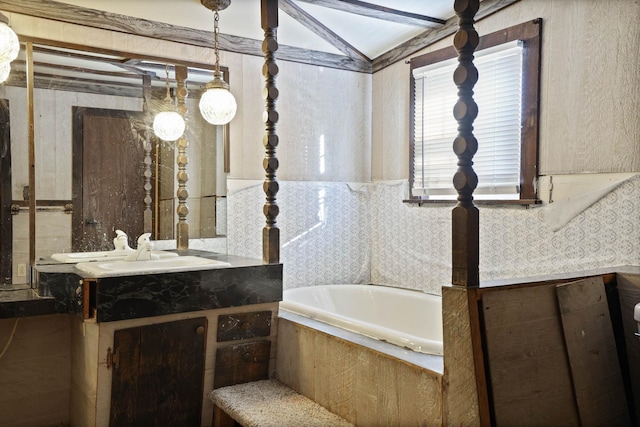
{"points": [[216, 31], [166, 82]]}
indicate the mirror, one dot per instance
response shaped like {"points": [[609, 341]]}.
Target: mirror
{"points": [[86, 103]]}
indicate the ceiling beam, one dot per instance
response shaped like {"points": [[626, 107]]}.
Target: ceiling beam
{"points": [[64, 12], [303, 17], [410, 47], [379, 12]]}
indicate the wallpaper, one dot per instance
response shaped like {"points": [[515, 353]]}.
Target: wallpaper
{"points": [[346, 233]]}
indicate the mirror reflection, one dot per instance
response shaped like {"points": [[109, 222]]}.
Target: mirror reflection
{"points": [[98, 165]]}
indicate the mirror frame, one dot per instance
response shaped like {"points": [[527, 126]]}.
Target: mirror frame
{"points": [[29, 41]]}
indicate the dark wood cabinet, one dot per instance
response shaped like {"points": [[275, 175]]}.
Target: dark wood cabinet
{"points": [[157, 374]]}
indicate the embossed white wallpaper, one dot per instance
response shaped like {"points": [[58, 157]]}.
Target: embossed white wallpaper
{"points": [[343, 233]]}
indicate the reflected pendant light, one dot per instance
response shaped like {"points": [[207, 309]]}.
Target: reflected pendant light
{"points": [[217, 104], [9, 43], [168, 125]]}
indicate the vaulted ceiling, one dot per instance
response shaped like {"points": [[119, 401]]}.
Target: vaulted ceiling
{"points": [[363, 36]]}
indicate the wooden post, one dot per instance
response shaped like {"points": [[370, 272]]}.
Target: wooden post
{"points": [[466, 399], [148, 200], [465, 217], [270, 233], [182, 231], [31, 140]]}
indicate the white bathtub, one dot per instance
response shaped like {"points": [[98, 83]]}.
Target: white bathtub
{"points": [[406, 318]]}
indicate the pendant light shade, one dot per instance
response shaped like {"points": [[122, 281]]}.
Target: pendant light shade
{"points": [[9, 43], [217, 105], [168, 124]]}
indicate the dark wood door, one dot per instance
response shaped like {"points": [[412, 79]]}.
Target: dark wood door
{"points": [[108, 177], [158, 378], [6, 227]]}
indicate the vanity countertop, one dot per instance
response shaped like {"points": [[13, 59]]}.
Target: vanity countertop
{"points": [[21, 301], [58, 289]]}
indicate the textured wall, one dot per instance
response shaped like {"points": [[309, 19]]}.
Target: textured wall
{"points": [[332, 233], [590, 89]]}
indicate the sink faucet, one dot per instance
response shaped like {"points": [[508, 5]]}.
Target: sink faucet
{"points": [[143, 251], [121, 242]]}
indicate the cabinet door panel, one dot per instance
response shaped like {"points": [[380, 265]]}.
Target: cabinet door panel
{"points": [[163, 384]]}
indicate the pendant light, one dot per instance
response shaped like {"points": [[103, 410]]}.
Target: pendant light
{"points": [[168, 125], [9, 43], [9, 47], [217, 104]]}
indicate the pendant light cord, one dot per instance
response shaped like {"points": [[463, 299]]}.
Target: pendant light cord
{"points": [[166, 82], [216, 31]]}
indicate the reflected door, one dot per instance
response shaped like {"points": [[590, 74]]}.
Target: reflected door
{"points": [[108, 177]]}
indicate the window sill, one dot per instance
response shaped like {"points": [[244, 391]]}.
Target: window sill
{"points": [[524, 202]]}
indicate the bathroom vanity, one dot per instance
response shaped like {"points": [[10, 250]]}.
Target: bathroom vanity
{"points": [[146, 349]]}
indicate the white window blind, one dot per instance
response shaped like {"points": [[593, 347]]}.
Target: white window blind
{"points": [[497, 127]]}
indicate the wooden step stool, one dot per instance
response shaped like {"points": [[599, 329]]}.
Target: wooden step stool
{"points": [[269, 403]]}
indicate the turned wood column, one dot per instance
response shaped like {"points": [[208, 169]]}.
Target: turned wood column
{"points": [[465, 218], [270, 233], [182, 231], [148, 135], [466, 400]]}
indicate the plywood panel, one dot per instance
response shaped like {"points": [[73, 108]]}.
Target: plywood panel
{"points": [[460, 392], [592, 353], [241, 363], [629, 295], [528, 368], [364, 387]]}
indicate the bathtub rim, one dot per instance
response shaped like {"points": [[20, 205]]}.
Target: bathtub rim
{"points": [[430, 362], [372, 330]]}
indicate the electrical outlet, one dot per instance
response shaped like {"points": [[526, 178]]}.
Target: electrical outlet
{"points": [[22, 270]]}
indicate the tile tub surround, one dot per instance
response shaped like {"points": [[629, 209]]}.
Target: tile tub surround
{"points": [[323, 230], [343, 233]]}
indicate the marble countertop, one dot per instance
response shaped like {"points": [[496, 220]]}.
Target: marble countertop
{"points": [[57, 295]]}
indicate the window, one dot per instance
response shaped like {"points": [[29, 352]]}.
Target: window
{"points": [[506, 127]]}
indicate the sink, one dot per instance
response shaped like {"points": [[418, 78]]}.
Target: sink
{"points": [[114, 255], [163, 265]]}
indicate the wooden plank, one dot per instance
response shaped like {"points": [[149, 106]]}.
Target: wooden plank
{"points": [[6, 227], [628, 286], [241, 363], [221, 418], [158, 374], [592, 353], [528, 368], [460, 395], [241, 326], [371, 10], [48, 9], [319, 29], [487, 7], [124, 378]]}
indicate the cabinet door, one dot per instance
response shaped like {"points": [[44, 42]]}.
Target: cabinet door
{"points": [[158, 374]]}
